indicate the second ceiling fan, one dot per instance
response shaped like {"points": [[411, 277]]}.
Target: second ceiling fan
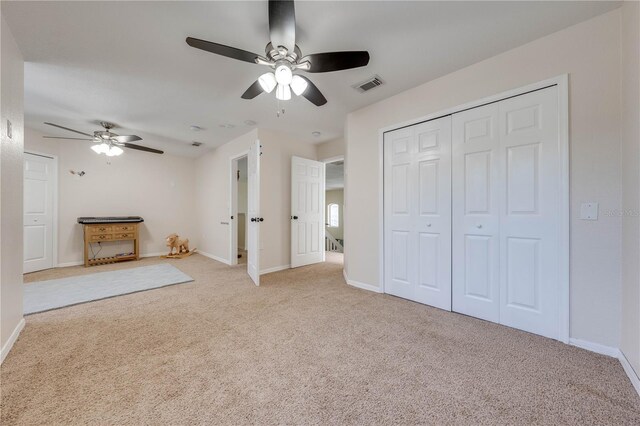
{"points": [[283, 55]]}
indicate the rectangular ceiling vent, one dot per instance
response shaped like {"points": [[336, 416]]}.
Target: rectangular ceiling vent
{"points": [[368, 84]]}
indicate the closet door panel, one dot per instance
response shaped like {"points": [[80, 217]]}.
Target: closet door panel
{"points": [[417, 213], [476, 201], [399, 250], [529, 141], [433, 212]]}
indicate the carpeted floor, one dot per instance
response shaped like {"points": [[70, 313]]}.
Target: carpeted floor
{"points": [[303, 348]]}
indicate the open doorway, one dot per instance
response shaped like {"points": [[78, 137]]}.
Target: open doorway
{"points": [[239, 215], [334, 210]]}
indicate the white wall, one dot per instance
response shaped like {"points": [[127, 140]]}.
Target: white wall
{"points": [[11, 250], [630, 321], [160, 188], [330, 149], [213, 186], [590, 53]]}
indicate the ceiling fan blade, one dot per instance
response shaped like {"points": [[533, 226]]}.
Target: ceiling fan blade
{"points": [[221, 49], [282, 24], [313, 94], [140, 148], [336, 61], [126, 138], [71, 130], [59, 137], [254, 90]]}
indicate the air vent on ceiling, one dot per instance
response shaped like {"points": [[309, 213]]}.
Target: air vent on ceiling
{"points": [[194, 143], [368, 84]]}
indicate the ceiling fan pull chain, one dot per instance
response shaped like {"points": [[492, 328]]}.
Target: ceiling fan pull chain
{"points": [[279, 111]]}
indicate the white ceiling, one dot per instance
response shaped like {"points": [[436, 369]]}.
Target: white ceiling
{"points": [[127, 62]]}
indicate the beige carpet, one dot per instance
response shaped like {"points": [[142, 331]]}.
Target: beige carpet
{"points": [[303, 348]]}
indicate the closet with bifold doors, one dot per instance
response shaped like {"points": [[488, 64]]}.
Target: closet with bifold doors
{"points": [[472, 212]]}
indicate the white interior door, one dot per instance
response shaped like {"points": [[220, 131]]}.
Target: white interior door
{"points": [[39, 181], [476, 213], [233, 213], [506, 212], [530, 212], [417, 212], [253, 212], [307, 211]]}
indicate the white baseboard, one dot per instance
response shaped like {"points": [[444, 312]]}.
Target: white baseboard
{"points": [[274, 269], [363, 286], [595, 347], [160, 253], [67, 264], [214, 257], [631, 373], [12, 339]]}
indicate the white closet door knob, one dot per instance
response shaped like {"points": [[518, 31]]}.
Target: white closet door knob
{"points": [[428, 225], [479, 226]]}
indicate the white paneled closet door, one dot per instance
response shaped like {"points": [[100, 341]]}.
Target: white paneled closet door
{"points": [[506, 212], [417, 213], [476, 213], [530, 213]]}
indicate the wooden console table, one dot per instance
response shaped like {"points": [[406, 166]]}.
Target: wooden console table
{"points": [[108, 230]]}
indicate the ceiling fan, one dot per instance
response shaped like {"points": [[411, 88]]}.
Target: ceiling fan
{"points": [[107, 142], [284, 56]]}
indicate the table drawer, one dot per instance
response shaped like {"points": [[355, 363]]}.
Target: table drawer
{"points": [[124, 228], [101, 237], [101, 229], [124, 236]]}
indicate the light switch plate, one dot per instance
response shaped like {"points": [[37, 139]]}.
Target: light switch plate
{"points": [[589, 211]]}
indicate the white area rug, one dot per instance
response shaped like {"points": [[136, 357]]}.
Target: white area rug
{"points": [[53, 294]]}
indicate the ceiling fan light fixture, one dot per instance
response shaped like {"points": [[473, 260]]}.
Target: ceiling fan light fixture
{"points": [[283, 92], [100, 148], [114, 151], [268, 82], [283, 74], [298, 85]]}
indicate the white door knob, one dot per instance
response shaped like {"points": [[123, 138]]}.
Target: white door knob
{"points": [[428, 225], [479, 226]]}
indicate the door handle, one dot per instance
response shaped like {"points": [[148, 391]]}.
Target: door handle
{"points": [[253, 219], [294, 217], [261, 219], [231, 217], [479, 226]]}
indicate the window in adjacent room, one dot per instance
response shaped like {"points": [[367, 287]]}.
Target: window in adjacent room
{"points": [[333, 213]]}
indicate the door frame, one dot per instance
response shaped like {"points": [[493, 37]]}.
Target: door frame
{"points": [[54, 231], [562, 82], [233, 206], [344, 198]]}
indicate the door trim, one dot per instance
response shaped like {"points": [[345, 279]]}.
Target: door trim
{"points": [[332, 159], [562, 82], [54, 232], [233, 207]]}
